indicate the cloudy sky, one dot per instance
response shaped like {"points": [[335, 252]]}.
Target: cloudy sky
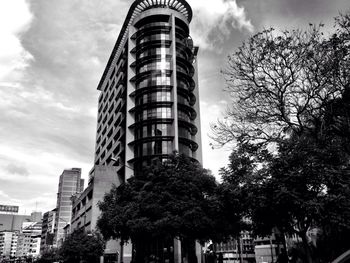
{"points": [[53, 53]]}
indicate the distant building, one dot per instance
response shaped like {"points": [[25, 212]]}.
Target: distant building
{"points": [[28, 244], [9, 209], [48, 227], [8, 244], [237, 250], [70, 183]]}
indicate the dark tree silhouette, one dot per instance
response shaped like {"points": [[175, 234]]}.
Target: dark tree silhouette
{"points": [[81, 246], [172, 199]]}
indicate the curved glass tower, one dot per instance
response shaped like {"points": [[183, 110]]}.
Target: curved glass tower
{"points": [[149, 106]]}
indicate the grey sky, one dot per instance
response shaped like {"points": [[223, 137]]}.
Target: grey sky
{"points": [[53, 53]]}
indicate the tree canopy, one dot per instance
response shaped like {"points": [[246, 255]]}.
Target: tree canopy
{"points": [[82, 246], [171, 199]]}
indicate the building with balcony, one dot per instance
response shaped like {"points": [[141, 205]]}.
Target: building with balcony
{"points": [[148, 105], [28, 242], [8, 244], [48, 228]]}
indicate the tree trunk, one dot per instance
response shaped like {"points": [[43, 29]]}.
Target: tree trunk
{"points": [[306, 247], [121, 252]]}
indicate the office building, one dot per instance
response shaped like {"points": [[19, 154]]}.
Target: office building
{"points": [[47, 232], [70, 183], [149, 106]]}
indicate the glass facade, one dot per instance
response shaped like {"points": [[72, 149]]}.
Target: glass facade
{"points": [[155, 78]]}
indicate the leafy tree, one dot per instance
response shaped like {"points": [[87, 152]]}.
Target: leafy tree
{"points": [[303, 186], [81, 246], [172, 199], [49, 256]]}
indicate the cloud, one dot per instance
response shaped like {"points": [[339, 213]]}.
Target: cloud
{"points": [[213, 159], [17, 169], [15, 18], [215, 20]]}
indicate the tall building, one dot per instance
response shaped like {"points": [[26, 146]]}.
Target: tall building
{"points": [[148, 106], [47, 232], [70, 183]]}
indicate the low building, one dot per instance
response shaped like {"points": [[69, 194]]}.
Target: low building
{"points": [[85, 211], [28, 244]]}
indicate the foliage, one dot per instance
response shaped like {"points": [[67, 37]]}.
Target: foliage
{"points": [[49, 256], [82, 246], [305, 186], [291, 121], [175, 198]]}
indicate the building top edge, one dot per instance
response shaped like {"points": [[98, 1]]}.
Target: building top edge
{"points": [[136, 8]]}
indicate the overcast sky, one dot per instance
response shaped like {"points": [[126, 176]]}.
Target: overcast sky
{"points": [[53, 53]]}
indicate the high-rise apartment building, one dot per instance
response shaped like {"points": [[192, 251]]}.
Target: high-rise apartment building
{"points": [[28, 242], [149, 107], [70, 183], [47, 232], [8, 244]]}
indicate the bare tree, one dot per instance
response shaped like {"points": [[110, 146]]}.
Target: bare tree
{"points": [[283, 83]]}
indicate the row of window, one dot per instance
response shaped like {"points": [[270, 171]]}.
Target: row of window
{"points": [[153, 24], [157, 36], [162, 51], [153, 148], [155, 65], [159, 113], [151, 130], [154, 81], [158, 96]]}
